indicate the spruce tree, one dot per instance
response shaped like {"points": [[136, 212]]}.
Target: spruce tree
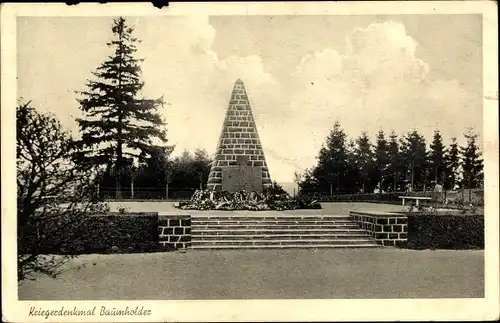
{"points": [[332, 164], [395, 167], [364, 160], [436, 158], [119, 124], [471, 162], [414, 156], [382, 161], [452, 160], [353, 182]]}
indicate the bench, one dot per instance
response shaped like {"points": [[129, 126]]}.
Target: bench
{"points": [[416, 198]]}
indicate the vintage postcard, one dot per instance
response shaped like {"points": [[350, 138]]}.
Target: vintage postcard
{"points": [[302, 161]]}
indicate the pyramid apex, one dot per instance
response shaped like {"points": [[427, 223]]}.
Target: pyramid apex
{"points": [[239, 81]]}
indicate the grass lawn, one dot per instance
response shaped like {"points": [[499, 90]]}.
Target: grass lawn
{"points": [[266, 274]]}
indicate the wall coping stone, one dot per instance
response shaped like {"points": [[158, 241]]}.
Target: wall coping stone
{"points": [[126, 214], [379, 214], [173, 216]]}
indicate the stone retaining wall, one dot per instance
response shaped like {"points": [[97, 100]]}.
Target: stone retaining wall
{"points": [[386, 229], [175, 231]]}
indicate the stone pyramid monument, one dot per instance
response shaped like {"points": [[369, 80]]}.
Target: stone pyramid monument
{"points": [[239, 162]]}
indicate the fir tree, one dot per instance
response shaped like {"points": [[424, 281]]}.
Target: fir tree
{"points": [[414, 155], [395, 167], [382, 161], [436, 158], [471, 162], [353, 182], [364, 160], [332, 165], [452, 160], [119, 124]]}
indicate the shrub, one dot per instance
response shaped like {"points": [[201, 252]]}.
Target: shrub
{"points": [[54, 192], [98, 234], [449, 231]]}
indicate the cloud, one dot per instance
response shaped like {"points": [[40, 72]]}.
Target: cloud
{"points": [[378, 83], [384, 47], [197, 83]]}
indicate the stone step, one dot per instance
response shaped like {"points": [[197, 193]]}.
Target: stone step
{"points": [[254, 237], [317, 246], [271, 218], [280, 242], [271, 227], [264, 231], [270, 222]]}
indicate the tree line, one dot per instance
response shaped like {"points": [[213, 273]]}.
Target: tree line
{"points": [[162, 173], [393, 163]]}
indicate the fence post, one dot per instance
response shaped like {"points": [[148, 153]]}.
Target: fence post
{"points": [[166, 191], [132, 189], [98, 193]]}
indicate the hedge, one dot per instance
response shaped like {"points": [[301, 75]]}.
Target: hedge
{"points": [[107, 233], [450, 231]]}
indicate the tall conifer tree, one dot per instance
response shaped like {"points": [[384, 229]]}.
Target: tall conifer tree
{"points": [[364, 160], [414, 154], [395, 168], [332, 161], [471, 162], [452, 160], [119, 124], [382, 161], [437, 158]]}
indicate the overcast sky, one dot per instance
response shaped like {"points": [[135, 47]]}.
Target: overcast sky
{"points": [[301, 72]]}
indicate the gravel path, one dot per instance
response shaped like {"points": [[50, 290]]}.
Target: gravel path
{"points": [[340, 208], [266, 274]]}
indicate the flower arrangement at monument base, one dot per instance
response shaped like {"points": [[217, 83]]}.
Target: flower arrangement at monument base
{"points": [[245, 200]]}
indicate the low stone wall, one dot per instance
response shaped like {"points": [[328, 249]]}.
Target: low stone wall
{"points": [[388, 229], [175, 231]]}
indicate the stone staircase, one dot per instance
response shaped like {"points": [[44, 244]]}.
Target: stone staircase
{"points": [[265, 232]]}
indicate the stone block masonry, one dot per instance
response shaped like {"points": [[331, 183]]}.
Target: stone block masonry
{"points": [[239, 143], [175, 231], [386, 229]]}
